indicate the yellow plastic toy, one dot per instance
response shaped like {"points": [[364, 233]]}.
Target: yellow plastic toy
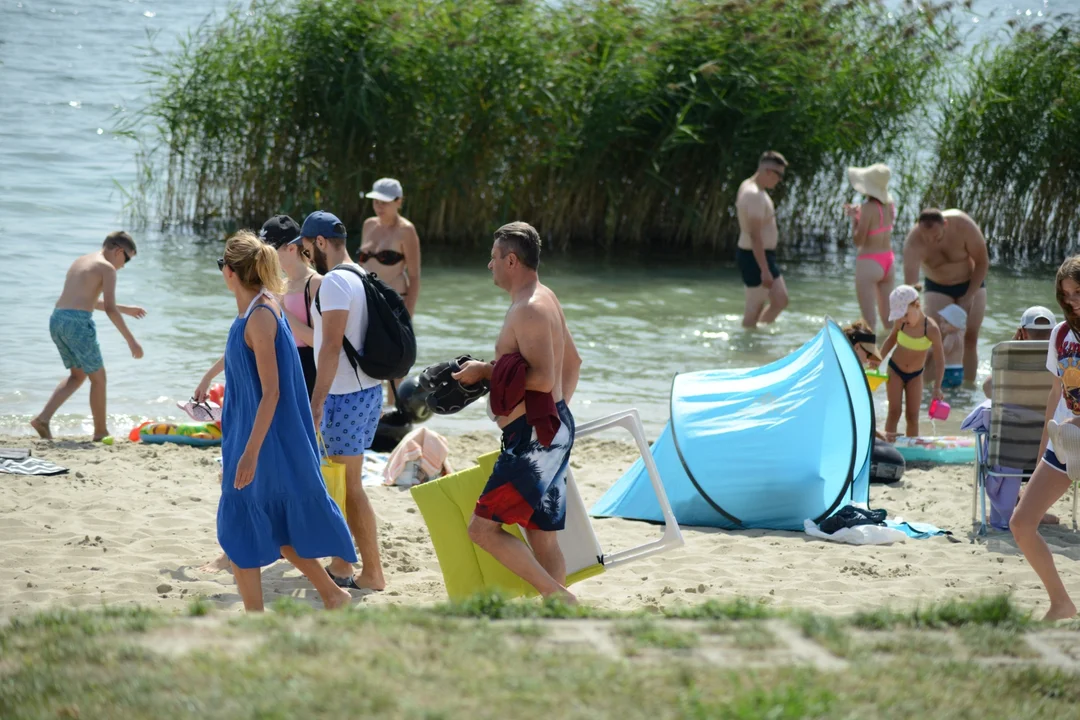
{"points": [[875, 378]]}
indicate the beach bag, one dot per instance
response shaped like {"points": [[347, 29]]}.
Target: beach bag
{"points": [[333, 474], [389, 341]]}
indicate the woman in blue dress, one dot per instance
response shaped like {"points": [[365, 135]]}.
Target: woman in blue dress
{"points": [[273, 500]]}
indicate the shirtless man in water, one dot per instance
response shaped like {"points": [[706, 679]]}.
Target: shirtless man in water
{"points": [[90, 285], [951, 250], [756, 253], [528, 482]]}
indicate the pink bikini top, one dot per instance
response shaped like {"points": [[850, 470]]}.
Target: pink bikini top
{"points": [[298, 304], [881, 218]]}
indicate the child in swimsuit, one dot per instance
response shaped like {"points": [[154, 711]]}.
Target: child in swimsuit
{"points": [[952, 326], [913, 335]]}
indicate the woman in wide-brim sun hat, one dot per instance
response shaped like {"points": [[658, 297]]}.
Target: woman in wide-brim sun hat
{"points": [[871, 225]]}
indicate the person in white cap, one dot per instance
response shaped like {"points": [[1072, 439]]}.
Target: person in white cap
{"points": [[952, 325], [390, 247], [950, 249], [1036, 323], [871, 226], [913, 335]]}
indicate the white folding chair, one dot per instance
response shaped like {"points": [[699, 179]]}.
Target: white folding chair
{"points": [[573, 543]]}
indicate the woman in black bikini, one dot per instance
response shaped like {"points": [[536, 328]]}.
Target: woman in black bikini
{"points": [[390, 247]]}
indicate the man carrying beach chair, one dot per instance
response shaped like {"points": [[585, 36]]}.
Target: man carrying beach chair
{"points": [[533, 377]]}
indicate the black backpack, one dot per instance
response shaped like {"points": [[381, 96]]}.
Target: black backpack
{"points": [[389, 343]]}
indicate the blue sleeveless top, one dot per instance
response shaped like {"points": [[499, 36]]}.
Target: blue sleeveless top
{"points": [[287, 502]]}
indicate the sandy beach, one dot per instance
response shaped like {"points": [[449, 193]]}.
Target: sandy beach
{"points": [[132, 523]]}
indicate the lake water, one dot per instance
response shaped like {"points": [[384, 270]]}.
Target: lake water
{"points": [[69, 66]]}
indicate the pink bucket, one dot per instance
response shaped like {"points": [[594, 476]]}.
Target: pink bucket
{"points": [[939, 409]]}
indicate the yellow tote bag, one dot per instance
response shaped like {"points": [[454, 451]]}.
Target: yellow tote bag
{"points": [[333, 475]]}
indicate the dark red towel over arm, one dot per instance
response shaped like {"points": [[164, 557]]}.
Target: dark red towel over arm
{"points": [[508, 391]]}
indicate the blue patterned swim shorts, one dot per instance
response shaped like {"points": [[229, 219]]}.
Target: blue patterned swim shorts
{"points": [[349, 421], [75, 336]]}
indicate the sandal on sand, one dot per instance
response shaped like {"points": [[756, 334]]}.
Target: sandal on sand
{"points": [[347, 582], [201, 411], [343, 582], [1066, 440]]}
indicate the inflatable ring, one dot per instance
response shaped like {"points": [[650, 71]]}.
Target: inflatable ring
{"points": [[944, 449], [200, 434], [886, 463]]}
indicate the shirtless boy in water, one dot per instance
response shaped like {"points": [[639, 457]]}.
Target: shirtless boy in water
{"points": [[528, 482], [73, 331]]}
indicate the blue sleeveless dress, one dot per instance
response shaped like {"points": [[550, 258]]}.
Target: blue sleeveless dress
{"points": [[287, 502]]}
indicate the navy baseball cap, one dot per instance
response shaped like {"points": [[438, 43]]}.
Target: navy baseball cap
{"points": [[279, 230], [322, 223]]}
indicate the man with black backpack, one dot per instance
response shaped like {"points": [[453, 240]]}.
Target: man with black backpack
{"points": [[356, 328]]}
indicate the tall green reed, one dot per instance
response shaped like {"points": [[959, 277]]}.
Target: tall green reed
{"points": [[604, 123], [1007, 148]]}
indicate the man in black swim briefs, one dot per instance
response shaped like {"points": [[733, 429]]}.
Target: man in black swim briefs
{"points": [[951, 251], [766, 293], [528, 483]]}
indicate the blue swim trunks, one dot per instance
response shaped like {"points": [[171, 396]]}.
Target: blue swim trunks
{"points": [[75, 336], [349, 421], [953, 377], [528, 483]]}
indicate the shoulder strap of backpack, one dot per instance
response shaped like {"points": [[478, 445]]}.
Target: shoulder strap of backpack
{"points": [[307, 301]]}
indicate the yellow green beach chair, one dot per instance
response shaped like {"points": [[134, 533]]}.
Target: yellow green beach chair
{"points": [[447, 504]]}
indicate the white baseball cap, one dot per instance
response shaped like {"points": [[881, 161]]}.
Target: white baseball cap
{"points": [[1037, 317], [385, 189], [899, 301], [954, 315]]}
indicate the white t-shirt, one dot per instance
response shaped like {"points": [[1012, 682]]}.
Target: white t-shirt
{"points": [[1067, 367], [344, 290]]}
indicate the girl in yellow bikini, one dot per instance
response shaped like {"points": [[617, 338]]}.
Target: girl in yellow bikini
{"points": [[913, 335]]}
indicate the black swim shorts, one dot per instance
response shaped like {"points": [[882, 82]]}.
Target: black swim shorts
{"points": [[954, 291], [748, 267]]}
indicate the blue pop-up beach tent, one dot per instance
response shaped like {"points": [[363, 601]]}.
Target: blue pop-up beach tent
{"points": [[766, 447]]}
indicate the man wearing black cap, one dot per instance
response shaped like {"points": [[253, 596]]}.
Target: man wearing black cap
{"points": [[346, 403]]}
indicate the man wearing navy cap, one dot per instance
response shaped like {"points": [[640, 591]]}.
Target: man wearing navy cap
{"points": [[346, 403]]}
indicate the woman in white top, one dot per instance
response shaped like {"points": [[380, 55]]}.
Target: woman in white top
{"points": [[1060, 449]]}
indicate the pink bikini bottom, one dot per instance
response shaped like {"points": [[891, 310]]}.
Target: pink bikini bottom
{"points": [[884, 259]]}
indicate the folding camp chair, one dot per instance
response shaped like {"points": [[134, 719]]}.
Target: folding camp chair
{"points": [[1021, 385], [447, 504]]}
